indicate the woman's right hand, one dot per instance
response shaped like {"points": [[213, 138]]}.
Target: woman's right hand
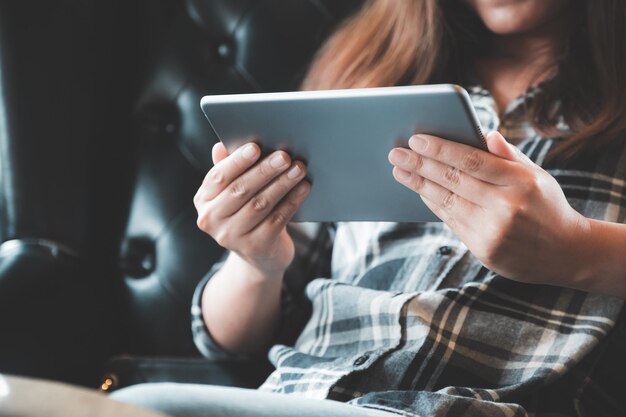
{"points": [[245, 205]]}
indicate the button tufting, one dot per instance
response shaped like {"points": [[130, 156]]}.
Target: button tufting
{"points": [[223, 50], [159, 119], [138, 257]]}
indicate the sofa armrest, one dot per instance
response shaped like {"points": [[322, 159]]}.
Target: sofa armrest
{"points": [[126, 370]]}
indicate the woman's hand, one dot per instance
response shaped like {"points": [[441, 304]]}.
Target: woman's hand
{"points": [[510, 213], [245, 204]]}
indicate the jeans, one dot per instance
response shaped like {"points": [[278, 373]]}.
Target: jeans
{"points": [[190, 400]]}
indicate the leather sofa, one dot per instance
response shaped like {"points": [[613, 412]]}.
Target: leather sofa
{"points": [[102, 147]]}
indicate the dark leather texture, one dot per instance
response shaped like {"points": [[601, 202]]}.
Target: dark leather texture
{"points": [[52, 316], [103, 145], [211, 47], [65, 130], [128, 370]]}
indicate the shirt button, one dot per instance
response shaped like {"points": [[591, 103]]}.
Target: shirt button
{"points": [[361, 360], [444, 250]]}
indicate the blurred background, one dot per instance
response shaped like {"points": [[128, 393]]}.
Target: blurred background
{"points": [[102, 147]]}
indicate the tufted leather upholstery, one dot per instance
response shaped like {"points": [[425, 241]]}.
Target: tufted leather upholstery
{"points": [[102, 147], [64, 134], [212, 47]]}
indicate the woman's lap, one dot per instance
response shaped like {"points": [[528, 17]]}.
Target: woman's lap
{"points": [[190, 400]]}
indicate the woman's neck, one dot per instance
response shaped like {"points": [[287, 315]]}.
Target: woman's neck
{"points": [[517, 62], [526, 49]]}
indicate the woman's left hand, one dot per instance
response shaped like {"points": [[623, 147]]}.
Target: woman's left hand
{"points": [[511, 214]]}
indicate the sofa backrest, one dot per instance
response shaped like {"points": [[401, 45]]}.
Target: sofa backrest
{"points": [[210, 47]]}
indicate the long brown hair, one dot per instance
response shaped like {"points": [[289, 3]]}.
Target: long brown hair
{"points": [[400, 42]]}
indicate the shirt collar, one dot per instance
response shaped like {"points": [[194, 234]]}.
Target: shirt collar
{"points": [[514, 122]]}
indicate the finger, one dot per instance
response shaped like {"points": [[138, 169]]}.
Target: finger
{"points": [[475, 162], [449, 177], [259, 206], [443, 215], [282, 214], [219, 152], [497, 145], [454, 208], [242, 189], [226, 170]]}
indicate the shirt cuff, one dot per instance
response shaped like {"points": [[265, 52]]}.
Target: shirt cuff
{"points": [[201, 337]]}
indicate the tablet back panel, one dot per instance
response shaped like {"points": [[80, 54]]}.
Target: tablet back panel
{"points": [[344, 136]]}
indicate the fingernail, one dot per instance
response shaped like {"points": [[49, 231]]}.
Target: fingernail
{"points": [[294, 172], [496, 133], [418, 143], [249, 152], [402, 174], [278, 161], [398, 156]]}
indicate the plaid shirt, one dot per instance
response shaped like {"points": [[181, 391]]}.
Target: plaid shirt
{"points": [[403, 318]]}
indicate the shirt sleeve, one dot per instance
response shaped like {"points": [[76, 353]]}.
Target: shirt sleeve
{"points": [[313, 249], [449, 402]]}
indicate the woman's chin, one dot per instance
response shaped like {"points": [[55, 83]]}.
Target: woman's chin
{"points": [[508, 21], [514, 17]]}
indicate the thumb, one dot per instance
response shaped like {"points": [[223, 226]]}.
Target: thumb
{"points": [[219, 152], [498, 146]]}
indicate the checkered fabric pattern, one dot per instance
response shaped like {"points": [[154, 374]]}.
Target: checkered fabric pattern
{"points": [[403, 318]]}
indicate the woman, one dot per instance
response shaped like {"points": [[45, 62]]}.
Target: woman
{"points": [[511, 306]]}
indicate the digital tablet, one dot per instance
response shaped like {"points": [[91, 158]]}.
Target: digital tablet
{"points": [[344, 137]]}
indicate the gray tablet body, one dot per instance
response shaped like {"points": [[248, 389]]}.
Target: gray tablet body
{"points": [[344, 136]]}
